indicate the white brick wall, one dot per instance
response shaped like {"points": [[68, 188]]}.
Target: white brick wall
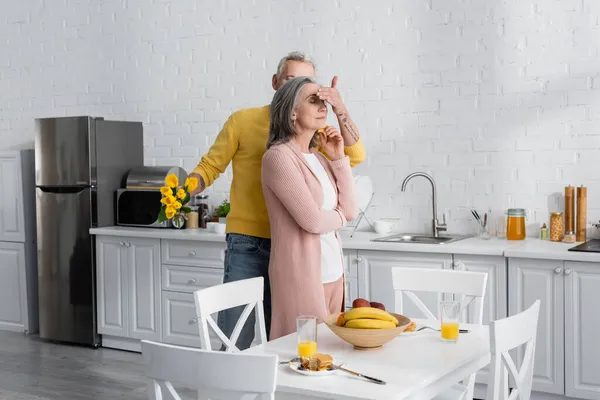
{"points": [[498, 100]]}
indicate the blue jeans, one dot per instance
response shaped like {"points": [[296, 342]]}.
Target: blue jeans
{"points": [[246, 257]]}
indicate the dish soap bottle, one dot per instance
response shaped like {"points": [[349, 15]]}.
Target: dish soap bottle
{"points": [[544, 232]]}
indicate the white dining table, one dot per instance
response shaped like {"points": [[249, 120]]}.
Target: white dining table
{"points": [[417, 366]]}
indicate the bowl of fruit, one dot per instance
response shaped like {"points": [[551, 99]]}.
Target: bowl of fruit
{"points": [[367, 325]]}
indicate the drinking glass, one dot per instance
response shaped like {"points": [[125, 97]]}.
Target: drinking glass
{"points": [[306, 332], [449, 320]]}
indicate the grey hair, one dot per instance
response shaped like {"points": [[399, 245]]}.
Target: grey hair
{"points": [[285, 101], [293, 56]]}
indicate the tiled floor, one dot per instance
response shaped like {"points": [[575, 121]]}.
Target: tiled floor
{"points": [[32, 369]]}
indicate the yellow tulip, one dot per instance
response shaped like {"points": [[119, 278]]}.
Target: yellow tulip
{"points": [[191, 183], [172, 181], [166, 191], [181, 194], [177, 205], [170, 212], [169, 200]]}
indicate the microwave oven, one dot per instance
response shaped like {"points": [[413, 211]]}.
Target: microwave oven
{"points": [[139, 207]]}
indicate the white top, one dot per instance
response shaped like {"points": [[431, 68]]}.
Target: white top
{"points": [[332, 267]]}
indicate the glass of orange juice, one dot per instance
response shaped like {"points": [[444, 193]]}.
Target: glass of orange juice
{"points": [[449, 319], [306, 332]]}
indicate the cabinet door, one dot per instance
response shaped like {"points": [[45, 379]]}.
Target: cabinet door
{"points": [[350, 271], [495, 303], [11, 198], [351, 291], [380, 264], [179, 321], [144, 288], [13, 300], [111, 288], [582, 329], [530, 280]]}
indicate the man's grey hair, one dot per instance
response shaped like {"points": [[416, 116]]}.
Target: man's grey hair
{"points": [[285, 101], [293, 56]]}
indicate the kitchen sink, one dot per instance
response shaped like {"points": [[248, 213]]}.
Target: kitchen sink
{"points": [[420, 238]]}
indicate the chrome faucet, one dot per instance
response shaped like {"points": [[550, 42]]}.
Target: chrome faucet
{"points": [[436, 226]]}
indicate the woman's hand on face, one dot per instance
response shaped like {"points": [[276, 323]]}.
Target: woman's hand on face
{"points": [[332, 142]]}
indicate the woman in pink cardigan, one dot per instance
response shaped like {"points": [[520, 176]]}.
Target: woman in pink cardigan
{"points": [[309, 197]]}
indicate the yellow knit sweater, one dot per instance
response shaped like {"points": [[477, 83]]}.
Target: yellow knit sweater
{"points": [[243, 141]]}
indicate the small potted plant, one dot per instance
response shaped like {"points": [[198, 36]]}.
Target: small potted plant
{"points": [[222, 210], [174, 200]]}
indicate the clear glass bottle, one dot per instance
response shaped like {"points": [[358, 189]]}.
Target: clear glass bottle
{"points": [[544, 232]]}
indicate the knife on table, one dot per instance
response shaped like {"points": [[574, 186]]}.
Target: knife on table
{"points": [[378, 381]]}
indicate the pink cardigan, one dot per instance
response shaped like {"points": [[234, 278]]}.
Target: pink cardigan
{"points": [[294, 199]]}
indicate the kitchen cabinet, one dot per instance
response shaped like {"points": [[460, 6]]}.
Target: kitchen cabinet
{"points": [[179, 320], [530, 280], [19, 309], [13, 296], [495, 302], [380, 264], [128, 287], [582, 329], [12, 218]]}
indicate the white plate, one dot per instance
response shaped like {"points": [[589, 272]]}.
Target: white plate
{"points": [[294, 367]]}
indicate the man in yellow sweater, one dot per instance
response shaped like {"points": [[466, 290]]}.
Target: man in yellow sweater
{"points": [[243, 141]]}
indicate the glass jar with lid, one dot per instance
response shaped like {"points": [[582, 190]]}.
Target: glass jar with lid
{"points": [[557, 228], [515, 224]]}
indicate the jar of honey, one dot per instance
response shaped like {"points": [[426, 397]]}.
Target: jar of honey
{"points": [[515, 224]]}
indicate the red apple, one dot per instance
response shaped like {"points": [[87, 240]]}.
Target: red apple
{"points": [[375, 304], [360, 303]]}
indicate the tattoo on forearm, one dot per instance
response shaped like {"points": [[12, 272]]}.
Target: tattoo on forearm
{"points": [[349, 125], [201, 184]]}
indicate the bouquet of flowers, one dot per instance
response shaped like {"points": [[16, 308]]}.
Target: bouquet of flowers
{"points": [[174, 200]]}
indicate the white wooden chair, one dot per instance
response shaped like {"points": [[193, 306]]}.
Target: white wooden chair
{"points": [[248, 292], [470, 286], [214, 374], [507, 334]]}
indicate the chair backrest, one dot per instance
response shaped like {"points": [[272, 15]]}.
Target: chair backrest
{"points": [[507, 334], [471, 286], [248, 292], [214, 374]]}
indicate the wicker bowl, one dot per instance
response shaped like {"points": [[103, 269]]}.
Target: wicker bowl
{"points": [[367, 339]]}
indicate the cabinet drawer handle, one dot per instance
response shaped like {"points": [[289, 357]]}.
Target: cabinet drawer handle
{"points": [[557, 270], [122, 244], [359, 259], [193, 280], [567, 272], [127, 244], [193, 321], [192, 253]]}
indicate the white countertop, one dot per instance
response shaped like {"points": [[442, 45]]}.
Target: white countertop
{"points": [[529, 248], [546, 250], [159, 233], [473, 245]]}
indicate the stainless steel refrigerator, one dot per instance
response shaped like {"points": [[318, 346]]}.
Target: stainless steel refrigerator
{"points": [[79, 164]]}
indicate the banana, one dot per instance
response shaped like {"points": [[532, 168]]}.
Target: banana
{"points": [[365, 323], [369, 313]]}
